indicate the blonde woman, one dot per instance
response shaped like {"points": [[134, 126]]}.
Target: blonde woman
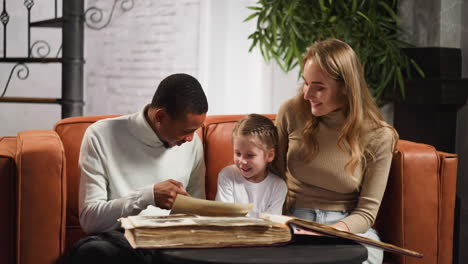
{"points": [[334, 144]]}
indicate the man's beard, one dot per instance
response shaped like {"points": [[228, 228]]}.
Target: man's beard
{"points": [[166, 144]]}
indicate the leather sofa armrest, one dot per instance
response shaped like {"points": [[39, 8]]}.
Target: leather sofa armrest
{"points": [[40, 163], [409, 214], [7, 200], [448, 180]]}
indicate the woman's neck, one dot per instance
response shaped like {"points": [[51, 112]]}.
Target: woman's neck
{"points": [[334, 119]]}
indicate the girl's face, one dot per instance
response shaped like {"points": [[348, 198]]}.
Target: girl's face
{"points": [[250, 159], [323, 93]]}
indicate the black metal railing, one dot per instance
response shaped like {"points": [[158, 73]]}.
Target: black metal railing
{"points": [[39, 51], [4, 18], [36, 52], [94, 16]]}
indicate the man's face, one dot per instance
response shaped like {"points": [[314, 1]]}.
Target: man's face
{"points": [[175, 132]]}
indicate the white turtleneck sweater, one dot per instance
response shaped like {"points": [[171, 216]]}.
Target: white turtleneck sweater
{"points": [[120, 161]]}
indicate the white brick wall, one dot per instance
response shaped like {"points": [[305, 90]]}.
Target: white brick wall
{"points": [[126, 61]]}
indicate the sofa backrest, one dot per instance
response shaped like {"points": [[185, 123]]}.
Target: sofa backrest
{"points": [[416, 212], [215, 135], [71, 131]]}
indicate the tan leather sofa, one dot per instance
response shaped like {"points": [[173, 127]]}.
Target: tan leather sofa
{"points": [[39, 192]]}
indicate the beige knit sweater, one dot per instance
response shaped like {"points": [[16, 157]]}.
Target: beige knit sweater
{"points": [[323, 182]]}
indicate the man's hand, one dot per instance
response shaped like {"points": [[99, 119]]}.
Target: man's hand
{"points": [[166, 192]]}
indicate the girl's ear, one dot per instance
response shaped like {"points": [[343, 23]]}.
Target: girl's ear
{"points": [[270, 155]]}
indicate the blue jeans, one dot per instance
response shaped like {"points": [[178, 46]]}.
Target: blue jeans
{"points": [[374, 255]]}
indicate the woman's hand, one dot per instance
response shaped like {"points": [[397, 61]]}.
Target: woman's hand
{"points": [[340, 226]]}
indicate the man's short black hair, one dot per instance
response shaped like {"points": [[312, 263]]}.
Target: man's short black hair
{"points": [[180, 94]]}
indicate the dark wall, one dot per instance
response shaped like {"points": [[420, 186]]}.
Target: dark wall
{"points": [[461, 217], [435, 112]]}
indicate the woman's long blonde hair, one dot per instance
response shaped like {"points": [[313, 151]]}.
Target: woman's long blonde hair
{"points": [[341, 63]]}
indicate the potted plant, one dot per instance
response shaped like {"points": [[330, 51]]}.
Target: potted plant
{"points": [[285, 29]]}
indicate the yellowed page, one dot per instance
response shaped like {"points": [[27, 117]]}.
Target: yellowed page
{"points": [[328, 230], [189, 205], [130, 237]]}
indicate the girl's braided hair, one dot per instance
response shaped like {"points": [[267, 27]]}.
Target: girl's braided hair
{"points": [[261, 131]]}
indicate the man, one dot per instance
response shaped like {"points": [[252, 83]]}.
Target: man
{"points": [[137, 164]]}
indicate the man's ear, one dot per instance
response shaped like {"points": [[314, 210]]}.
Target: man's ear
{"points": [[160, 114]]}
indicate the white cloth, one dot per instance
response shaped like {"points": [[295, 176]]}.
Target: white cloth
{"points": [[120, 161], [267, 195]]}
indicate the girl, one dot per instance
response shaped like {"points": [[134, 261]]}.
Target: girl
{"points": [[335, 145], [253, 178]]}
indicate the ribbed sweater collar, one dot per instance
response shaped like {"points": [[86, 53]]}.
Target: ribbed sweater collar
{"points": [[334, 120], [141, 129]]}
